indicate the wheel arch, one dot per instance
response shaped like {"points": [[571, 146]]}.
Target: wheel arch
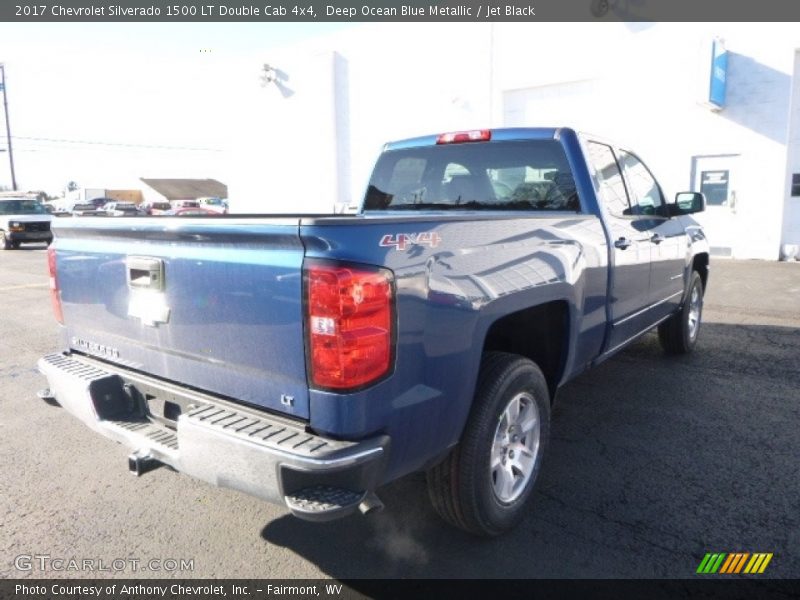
{"points": [[700, 263], [540, 333]]}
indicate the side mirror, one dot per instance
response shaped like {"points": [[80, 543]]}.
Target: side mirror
{"points": [[687, 203]]}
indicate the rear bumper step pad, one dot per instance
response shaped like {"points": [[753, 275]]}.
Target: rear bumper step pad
{"points": [[222, 443]]}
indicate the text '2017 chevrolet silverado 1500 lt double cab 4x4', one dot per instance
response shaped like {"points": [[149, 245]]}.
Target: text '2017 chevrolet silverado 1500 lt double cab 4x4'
{"points": [[308, 360]]}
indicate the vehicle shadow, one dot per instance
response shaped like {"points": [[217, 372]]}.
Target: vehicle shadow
{"points": [[653, 462]]}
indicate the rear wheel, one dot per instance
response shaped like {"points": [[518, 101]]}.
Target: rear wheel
{"points": [[678, 334], [483, 484]]}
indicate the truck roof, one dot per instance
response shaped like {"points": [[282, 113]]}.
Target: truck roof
{"points": [[498, 134]]}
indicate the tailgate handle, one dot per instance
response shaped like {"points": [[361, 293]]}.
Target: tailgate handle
{"points": [[145, 273]]}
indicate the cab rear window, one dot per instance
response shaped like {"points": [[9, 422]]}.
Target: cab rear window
{"points": [[509, 175]]}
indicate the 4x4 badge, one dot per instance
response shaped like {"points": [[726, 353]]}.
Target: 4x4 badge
{"points": [[402, 241]]}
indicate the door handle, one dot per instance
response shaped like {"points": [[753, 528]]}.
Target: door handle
{"points": [[657, 238], [622, 243]]}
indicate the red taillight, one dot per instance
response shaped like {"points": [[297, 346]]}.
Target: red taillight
{"points": [[460, 137], [349, 324], [55, 296]]}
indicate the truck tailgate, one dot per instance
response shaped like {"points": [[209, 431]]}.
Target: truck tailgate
{"points": [[214, 304]]}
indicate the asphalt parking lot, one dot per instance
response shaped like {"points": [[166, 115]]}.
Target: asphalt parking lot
{"points": [[653, 463]]}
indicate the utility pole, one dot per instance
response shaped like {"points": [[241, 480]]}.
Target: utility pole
{"points": [[8, 126]]}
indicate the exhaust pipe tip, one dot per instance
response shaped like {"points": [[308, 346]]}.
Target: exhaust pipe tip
{"points": [[141, 461], [370, 503]]}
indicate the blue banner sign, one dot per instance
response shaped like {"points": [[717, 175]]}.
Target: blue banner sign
{"points": [[719, 73]]}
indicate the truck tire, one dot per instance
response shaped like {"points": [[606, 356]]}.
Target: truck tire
{"points": [[5, 243], [678, 334], [484, 482]]}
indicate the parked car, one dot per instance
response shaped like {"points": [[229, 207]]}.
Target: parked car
{"points": [[193, 212], [157, 208], [23, 220], [121, 209], [430, 332], [176, 204], [216, 204], [89, 209]]}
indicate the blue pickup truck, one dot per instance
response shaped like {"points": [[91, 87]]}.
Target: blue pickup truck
{"points": [[310, 359]]}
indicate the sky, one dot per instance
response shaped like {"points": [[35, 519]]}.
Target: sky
{"points": [[103, 104]]}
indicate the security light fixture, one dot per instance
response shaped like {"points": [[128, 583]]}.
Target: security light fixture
{"points": [[268, 75]]}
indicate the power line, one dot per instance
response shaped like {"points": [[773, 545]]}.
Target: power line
{"points": [[118, 144], [84, 149]]}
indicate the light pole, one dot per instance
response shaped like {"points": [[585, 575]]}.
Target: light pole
{"points": [[8, 127]]}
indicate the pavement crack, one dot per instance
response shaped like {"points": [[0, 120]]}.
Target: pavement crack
{"points": [[637, 528]]}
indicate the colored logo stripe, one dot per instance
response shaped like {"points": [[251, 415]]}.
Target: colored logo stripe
{"points": [[758, 563], [711, 563], [703, 563], [732, 563]]}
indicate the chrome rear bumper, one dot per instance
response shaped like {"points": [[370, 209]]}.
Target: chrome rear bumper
{"points": [[220, 442]]}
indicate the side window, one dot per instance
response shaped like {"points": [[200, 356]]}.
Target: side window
{"points": [[647, 198], [612, 187]]}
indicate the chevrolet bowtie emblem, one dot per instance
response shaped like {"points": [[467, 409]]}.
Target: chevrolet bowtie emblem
{"points": [[149, 306]]}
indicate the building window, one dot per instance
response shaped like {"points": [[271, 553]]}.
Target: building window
{"points": [[796, 185], [714, 186]]}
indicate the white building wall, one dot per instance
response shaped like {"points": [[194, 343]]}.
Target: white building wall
{"points": [[791, 213], [408, 81], [350, 93], [151, 196], [642, 84], [639, 84], [283, 143]]}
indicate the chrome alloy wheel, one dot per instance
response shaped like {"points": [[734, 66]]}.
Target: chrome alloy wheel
{"points": [[515, 449], [695, 307]]}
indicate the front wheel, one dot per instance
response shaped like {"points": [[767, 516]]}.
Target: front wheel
{"points": [[678, 334], [5, 243], [483, 484]]}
